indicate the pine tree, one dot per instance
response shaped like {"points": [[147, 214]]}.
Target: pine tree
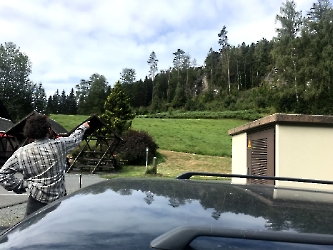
{"points": [[152, 62], [318, 36], [56, 102], [118, 113], [63, 109], [225, 51], [72, 105], [82, 92], [49, 107], [39, 99], [286, 50]]}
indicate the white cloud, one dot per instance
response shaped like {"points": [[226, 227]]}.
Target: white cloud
{"points": [[70, 40]]}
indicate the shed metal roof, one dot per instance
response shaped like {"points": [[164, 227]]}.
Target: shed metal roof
{"points": [[4, 112], [5, 124], [17, 129], [280, 118]]}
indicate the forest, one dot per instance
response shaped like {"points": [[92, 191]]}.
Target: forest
{"points": [[291, 73]]}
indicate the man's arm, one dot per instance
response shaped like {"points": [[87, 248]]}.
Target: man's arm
{"points": [[8, 179], [76, 137]]}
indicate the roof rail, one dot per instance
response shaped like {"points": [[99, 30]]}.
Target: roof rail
{"points": [[188, 175]]}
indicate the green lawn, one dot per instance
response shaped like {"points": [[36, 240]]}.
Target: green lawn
{"points": [[200, 136], [69, 121]]}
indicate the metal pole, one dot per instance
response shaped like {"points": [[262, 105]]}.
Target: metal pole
{"points": [[80, 180], [154, 165], [147, 149]]}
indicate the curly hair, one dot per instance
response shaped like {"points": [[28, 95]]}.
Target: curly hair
{"points": [[36, 127]]}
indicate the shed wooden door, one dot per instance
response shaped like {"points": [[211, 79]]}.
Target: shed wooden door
{"points": [[260, 155]]}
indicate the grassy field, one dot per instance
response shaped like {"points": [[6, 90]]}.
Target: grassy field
{"points": [[199, 136], [176, 163], [69, 121], [185, 144]]}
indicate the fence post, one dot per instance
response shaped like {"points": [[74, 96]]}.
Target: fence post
{"points": [[147, 149], [154, 166]]}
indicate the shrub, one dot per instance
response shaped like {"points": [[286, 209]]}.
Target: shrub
{"points": [[142, 111], [133, 148]]}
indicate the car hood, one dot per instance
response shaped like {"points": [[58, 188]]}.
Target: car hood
{"points": [[130, 213]]}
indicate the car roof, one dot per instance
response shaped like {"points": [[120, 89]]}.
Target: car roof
{"points": [[136, 211]]}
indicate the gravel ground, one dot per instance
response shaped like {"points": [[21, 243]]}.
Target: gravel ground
{"points": [[11, 215], [14, 212]]}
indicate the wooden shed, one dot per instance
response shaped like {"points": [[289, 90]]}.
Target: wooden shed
{"points": [[17, 129], [12, 137], [285, 145], [6, 141]]}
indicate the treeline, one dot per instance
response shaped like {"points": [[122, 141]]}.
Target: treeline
{"points": [[291, 73], [88, 98]]}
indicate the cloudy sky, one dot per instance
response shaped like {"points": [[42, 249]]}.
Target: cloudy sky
{"points": [[69, 40]]}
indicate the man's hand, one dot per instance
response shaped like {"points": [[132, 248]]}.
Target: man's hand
{"points": [[19, 191], [17, 187], [86, 124]]}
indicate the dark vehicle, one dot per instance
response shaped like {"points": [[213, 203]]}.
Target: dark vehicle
{"points": [[179, 214]]}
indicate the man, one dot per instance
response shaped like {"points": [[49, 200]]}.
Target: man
{"points": [[41, 162]]}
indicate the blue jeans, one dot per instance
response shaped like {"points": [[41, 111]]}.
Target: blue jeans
{"points": [[33, 205]]}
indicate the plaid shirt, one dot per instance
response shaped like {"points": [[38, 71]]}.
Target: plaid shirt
{"points": [[42, 164]]}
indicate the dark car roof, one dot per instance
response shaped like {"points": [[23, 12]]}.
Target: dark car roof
{"points": [[131, 213]]}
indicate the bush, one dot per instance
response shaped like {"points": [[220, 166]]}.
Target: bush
{"points": [[133, 148], [142, 111]]}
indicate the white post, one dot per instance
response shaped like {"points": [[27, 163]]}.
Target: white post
{"points": [[147, 149]]}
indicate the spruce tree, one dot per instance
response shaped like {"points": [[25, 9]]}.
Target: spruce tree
{"points": [[72, 105], [118, 113]]}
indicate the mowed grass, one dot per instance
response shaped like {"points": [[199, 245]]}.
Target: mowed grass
{"points": [[176, 163], [199, 136], [69, 121]]}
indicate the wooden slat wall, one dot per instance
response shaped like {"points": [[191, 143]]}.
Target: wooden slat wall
{"points": [[259, 159], [261, 156]]}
